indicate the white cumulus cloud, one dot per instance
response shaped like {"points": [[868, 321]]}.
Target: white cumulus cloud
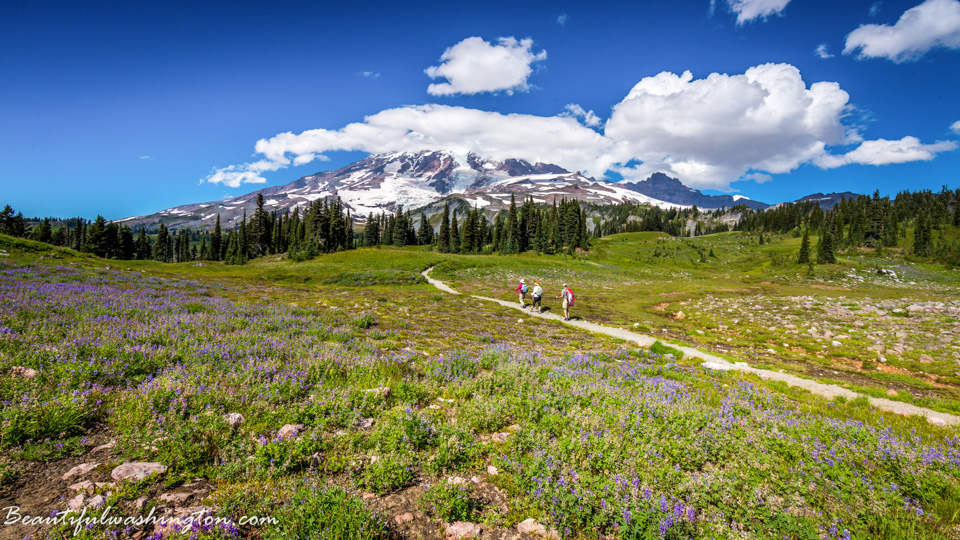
{"points": [[474, 65], [955, 127], [718, 128], [562, 19], [748, 10], [884, 152], [709, 132], [932, 24], [823, 51], [590, 118]]}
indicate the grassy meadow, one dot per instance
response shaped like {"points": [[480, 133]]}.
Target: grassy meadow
{"points": [[410, 408]]}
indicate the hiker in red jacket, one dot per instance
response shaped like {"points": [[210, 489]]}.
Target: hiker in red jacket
{"points": [[522, 289], [567, 295]]}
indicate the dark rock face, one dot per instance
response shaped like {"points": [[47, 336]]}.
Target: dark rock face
{"points": [[829, 200], [662, 187]]}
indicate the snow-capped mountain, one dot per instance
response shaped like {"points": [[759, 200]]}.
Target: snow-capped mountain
{"points": [[665, 188], [382, 182]]}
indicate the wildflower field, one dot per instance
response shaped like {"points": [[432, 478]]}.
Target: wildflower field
{"points": [[345, 398]]}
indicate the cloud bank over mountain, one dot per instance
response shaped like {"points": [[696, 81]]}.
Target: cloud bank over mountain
{"points": [[709, 132]]}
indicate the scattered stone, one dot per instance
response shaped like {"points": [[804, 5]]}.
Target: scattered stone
{"points": [[456, 480], [532, 527], [492, 471], [475, 479], [75, 504], [26, 373], [137, 471], [701, 332], [513, 427], [936, 421], [462, 529], [365, 423], [79, 470], [403, 518], [99, 500], [926, 359], [891, 392], [382, 391], [140, 502], [175, 498], [500, 437], [680, 316], [107, 446], [234, 419], [289, 431], [836, 343], [670, 356], [87, 485], [519, 321]]}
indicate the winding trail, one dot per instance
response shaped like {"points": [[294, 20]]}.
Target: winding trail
{"points": [[715, 362]]}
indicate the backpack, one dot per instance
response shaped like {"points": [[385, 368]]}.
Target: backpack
{"points": [[570, 294], [523, 288]]}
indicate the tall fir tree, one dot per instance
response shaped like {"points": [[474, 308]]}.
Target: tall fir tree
{"points": [[804, 256], [443, 235], [454, 233]]}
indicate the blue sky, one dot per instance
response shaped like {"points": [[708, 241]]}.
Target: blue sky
{"points": [[126, 108]]}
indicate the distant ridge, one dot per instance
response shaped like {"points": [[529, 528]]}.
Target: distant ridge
{"points": [[829, 200], [662, 187]]}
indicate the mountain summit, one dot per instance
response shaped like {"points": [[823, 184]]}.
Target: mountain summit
{"points": [[383, 182], [662, 187]]}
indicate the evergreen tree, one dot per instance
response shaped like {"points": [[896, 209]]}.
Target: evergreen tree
{"points": [[126, 246], [469, 241], [42, 231], [97, 242], [921, 234], [825, 248], [141, 247], [454, 234], [160, 247], [804, 256], [371, 231], [425, 234], [443, 235], [215, 241]]}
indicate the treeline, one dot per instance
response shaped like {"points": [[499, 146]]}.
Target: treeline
{"points": [[325, 227], [867, 222], [632, 217], [531, 227]]}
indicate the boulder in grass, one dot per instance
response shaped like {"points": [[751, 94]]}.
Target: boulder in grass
{"points": [[79, 470], [462, 529], [137, 471], [289, 431], [234, 419], [532, 527], [382, 391], [26, 373], [75, 504]]}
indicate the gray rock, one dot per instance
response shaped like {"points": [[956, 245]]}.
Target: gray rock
{"points": [[532, 527], [79, 470], [75, 504], [26, 373], [462, 529], [107, 446], [234, 419], [137, 471], [289, 431]]}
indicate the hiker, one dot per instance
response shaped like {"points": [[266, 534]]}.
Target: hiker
{"points": [[537, 296], [567, 295], [522, 288]]}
